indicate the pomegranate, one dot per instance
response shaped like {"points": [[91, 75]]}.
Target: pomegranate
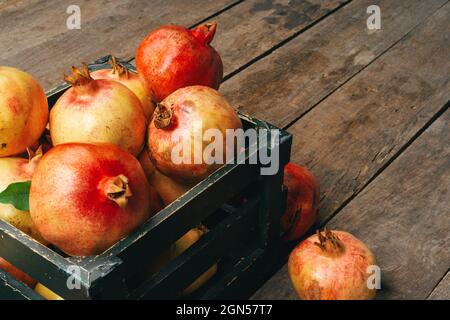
{"points": [[98, 111], [14, 170], [168, 189], [302, 201], [331, 265], [173, 57], [23, 111], [181, 245], [46, 292], [178, 129], [130, 80], [16, 273], [86, 197]]}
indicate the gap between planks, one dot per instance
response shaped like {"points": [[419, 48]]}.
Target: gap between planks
{"points": [[256, 28], [436, 101], [294, 78], [442, 289], [389, 161]]}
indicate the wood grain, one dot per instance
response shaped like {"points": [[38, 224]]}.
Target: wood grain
{"points": [[354, 133], [294, 78], [26, 24], [351, 135], [403, 218], [442, 290], [255, 27], [38, 41]]}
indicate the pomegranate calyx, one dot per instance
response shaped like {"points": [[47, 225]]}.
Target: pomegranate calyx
{"points": [[79, 77], [118, 68], [163, 116], [118, 190], [329, 243], [34, 156], [205, 32], [33, 159]]}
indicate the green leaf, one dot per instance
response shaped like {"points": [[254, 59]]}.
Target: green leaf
{"points": [[17, 194]]}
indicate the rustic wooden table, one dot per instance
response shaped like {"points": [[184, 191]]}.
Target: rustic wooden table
{"points": [[368, 108]]}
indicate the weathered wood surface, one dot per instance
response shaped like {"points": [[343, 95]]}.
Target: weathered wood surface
{"points": [[35, 37], [351, 135], [256, 27], [355, 132], [250, 29], [403, 217], [293, 79], [442, 290]]}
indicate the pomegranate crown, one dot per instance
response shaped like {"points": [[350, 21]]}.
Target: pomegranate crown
{"points": [[329, 242], [118, 68], [35, 155], [118, 190], [162, 116], [79, 77], [205, 32]]}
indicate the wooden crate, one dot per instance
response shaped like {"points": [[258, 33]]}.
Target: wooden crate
{"points": [[240, 206]]}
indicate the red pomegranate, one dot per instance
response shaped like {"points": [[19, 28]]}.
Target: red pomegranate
{"points": [[179, 127], [95, 111], [86, 197], [16, 273], [331, 265], [173, 57], [302, 201], [23, 111], [130, 80]]}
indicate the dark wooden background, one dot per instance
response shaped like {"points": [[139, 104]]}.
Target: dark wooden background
{"points": [[368, 108]]}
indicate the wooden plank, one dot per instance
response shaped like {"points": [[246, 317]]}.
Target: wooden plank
{"points": [[26, 24], [291, 80], [403, 217], [38, 41], [354, 133], [351, 135], [245, 31], [250, 30], [442, 290], [278, 287]]}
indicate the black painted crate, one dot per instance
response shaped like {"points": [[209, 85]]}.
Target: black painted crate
{"points": [[241, 207]]}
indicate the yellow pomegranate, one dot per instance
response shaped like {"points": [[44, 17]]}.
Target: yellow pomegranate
{"points": [[181, 245], [23, 111], [130, 80], [94, 111], [191, 237], [168, 189], [46, 292], [14, 170]]}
